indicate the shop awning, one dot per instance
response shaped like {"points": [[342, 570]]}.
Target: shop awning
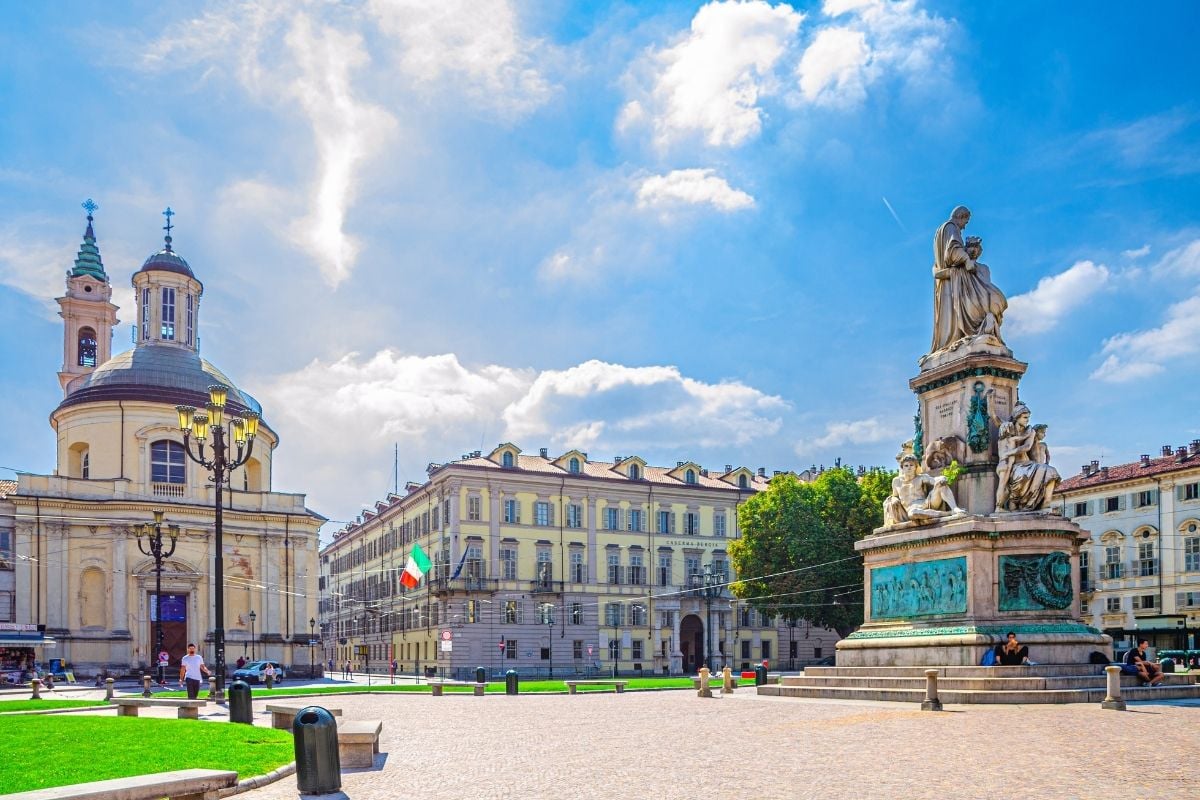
{"points": [[25, 641]]}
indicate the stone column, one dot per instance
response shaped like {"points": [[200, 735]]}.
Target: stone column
{"points": [[120, 585], [676, 653], [269, 616], [494, 497], [589, 508]]}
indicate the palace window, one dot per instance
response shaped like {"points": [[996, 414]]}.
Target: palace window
{"points": [[637, 616], [574, 516], [578, 568], [612, 517], [507, 459], [1145, 498], [766, 649], [666, 522], [1081, 509], [542, 514], [743, 482], [512, 511], [87, 347], [168, 313], [576, 614], [510, 648], [1191, 554], [6, 550], [545, 570], [637, 572], [1147, 563], [1191, 491], [719, 524], [635, 472], [577, 649], [689, 476], [574, 466], [508, 563], [167, 462], [1112, 605], [635, 519], [8, 606], [614, 568], [636, 653], [664, 570], [1112, 562], [613, 614], [691, 523], [474, 506], [1112, 504], [512, 612]]}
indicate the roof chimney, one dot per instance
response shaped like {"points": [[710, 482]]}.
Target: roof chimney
{"points": [[1085, 470], [1145, 460], [728, 468], [545, 452], [776, 472], [1181, 454], [476, 453], [1194, 449], [1166, 450], [762, 472], [1104, 472], [679, 463], [618, 459], [1095, 467]]}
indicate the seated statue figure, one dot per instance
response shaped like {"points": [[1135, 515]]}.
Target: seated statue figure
{"points": [[1025, 479], [917, 498]]}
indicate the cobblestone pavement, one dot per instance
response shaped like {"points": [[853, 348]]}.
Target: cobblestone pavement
{"points": [[666, 745]]}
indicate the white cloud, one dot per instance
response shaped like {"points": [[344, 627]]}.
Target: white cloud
{"points": [[833, 69], [692, 187], [477, 42], [850, 432], [330, 414], [33, 267], [1142, 354], [710, 82], [1054, 297], [1141, 252], [1181, 261]]}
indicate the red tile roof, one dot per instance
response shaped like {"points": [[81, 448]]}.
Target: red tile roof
{"points": [[7, 488], [604, 469], [1128, 472]]}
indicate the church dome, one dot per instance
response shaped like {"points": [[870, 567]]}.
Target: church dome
{"points": [[169, 261], [160, 373]]}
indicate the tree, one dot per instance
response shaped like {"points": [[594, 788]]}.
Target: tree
{"points": [[796, 555]]}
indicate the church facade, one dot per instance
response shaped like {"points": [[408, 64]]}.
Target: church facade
{"points": [[81, 579]]}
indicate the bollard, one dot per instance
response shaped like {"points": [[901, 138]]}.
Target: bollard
{"points": [[146, 679], [511, 682], [1113, 701], [241, 704], [760, 675], [108, 689], [480, 675], [212, 687], [705, 689], [318, 767], [36, 685], [727, 680], [931, 701]]}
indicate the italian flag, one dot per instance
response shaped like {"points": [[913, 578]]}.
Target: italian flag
{"points": [[418, 565]]}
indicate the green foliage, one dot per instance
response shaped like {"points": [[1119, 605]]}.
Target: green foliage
{"points": [[807, 531], [63, 748], [9, 706], [951, 472]]}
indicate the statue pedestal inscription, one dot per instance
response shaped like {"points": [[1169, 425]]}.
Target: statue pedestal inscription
{"points": [[958, 565]]}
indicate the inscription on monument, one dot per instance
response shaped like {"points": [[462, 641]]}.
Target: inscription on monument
{"points": [[923, 589], [1035, 582], [945, 409]]}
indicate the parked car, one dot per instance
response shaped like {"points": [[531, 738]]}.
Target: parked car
{"points": [[827, 661], [254, 672]]}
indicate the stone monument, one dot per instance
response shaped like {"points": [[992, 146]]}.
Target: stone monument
{"points": [[956, 566]]}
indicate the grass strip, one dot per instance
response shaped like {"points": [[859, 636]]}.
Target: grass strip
{"points": [[45, 705], [75, 749], [493, 687]]}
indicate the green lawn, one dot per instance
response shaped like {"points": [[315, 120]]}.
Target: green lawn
{"points": [[493, 687], [45, 705], [37, 752]]}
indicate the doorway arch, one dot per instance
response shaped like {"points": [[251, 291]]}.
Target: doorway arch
{"points": [[691, 643]]}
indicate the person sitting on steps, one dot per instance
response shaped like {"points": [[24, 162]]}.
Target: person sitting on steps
{"points": [[1149, 671], [1012, 653]]}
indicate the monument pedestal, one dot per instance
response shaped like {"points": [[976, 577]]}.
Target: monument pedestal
{"points": [[943, 594]]}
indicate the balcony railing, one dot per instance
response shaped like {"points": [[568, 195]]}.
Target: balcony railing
{"points": [[1113, 572], [1144, 567], [167, 489]]}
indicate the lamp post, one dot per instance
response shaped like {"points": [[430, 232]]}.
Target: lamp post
{"points": [[150, 542], [614, 647], [253, 617], [708, 586], [548, 621], [312, 632], [243, 429]]}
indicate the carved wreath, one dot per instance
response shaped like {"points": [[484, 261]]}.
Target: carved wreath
{"points": [[1047, 580]]}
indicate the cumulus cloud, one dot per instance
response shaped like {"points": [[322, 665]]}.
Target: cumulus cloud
{"points": [[329, 414], [1140, 252], [709, 82], [692, 187], [32, 266], [851, 432], [1181, 261], [1054, 297], [1140, 354], [833, 69]]}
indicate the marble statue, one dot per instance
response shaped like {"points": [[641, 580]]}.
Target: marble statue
{"points": [[916, 497], [965, 302], [1025, 479]]}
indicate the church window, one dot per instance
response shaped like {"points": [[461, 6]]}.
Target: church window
{"points": [[85, 466], [87, 347], [167, 461], [507, 459], [168, 314], [146, 313], [574, 466], [190, 320]]}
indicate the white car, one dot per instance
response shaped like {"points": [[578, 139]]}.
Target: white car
{"points": [[255, 672]]}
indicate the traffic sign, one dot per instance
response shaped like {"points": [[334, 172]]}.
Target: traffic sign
{"points": [[589, 649], [164, 657], [447, 645], [447, 635]]}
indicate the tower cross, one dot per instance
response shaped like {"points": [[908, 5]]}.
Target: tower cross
{"points": [[168, 214], [90, 206]]}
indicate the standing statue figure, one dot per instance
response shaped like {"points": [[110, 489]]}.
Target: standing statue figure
{"points": [[1025, 479], [917, 498], [965, 302]]}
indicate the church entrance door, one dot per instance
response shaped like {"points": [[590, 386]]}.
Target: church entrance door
{"points": [[174, 625], [691, 643]]}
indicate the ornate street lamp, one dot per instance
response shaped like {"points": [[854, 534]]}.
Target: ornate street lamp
{"points": [[253, 617], [312, 633], [150, 542], [221, 465], [708, 586], [548, 621]]}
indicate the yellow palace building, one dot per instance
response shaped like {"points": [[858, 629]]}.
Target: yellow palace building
{"points": [[78, 580], [545, 563]]}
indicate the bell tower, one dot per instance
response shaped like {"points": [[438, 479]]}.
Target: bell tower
{"points": [[87, 310]]}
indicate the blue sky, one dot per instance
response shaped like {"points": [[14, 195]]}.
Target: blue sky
{"points": [[675, 230]]}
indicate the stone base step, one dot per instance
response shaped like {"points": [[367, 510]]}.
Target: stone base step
{"points": [[960, 696], [1036, 671], [990, 683]]}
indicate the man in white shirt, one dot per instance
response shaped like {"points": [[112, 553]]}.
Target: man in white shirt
{"points": [[190, 668]]}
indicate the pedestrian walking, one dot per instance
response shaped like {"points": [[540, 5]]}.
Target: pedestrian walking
{"points": [[190, 668], [346, 671], [269, 675]]}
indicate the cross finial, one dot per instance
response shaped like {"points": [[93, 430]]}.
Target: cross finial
{"points": [[90, 207], [168, 214]]}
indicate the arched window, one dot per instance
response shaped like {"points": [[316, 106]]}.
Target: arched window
{"points": [[574, 466], [690, 476], [85, 466], [168, 314], [87, 347], [167, 461], [507, 459], [635, 472], [742, 482]]}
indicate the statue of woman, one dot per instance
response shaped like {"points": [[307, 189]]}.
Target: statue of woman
{"points": [[1026, 481], [965, 302]]}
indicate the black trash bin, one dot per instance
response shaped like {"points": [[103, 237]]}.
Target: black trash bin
{"points": [[241, 706], [318, 768], [431, 672], [760, 675], [511, 683], [480, 675]]}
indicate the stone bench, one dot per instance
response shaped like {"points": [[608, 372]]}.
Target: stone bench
{"points": [[358, 742], [184, 784], [186, 709], [283, 716], [573, 686], [477, 689]]}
